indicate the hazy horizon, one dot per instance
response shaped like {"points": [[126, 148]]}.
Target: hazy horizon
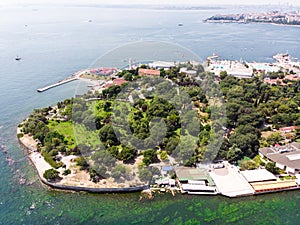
{"points": [[151, 2]]}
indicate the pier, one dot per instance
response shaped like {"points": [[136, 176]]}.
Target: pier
{"points": [[75, 76], [67, 80]]}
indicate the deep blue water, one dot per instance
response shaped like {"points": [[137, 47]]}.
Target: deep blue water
{"points": [[56, 41]]}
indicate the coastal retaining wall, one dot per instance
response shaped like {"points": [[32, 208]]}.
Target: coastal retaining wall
{"points": [[95, 190]]}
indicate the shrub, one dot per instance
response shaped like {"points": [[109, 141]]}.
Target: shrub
{"points": [[66, 172], [51, 174]]}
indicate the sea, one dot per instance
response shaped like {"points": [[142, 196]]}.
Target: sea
{"points": [[56, 40]]}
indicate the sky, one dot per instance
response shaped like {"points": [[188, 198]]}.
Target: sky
{"points": [[153, 2]]}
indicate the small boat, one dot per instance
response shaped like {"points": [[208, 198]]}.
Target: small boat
{"points": [[180, 24], [18, 58]]}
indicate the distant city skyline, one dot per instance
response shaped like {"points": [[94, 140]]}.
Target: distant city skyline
{"points": [[155, 2]]}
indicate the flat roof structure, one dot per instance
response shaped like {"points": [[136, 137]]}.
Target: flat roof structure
{"points": [[258, 175], [197, 187], [273, 185], [287, 155], [184, 174], [161, 64], [230, 182]]}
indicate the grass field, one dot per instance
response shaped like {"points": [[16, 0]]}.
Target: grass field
{"points": [[75, 133]]}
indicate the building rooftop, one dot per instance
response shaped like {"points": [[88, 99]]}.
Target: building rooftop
{"points": [[287, 129], [273, 185], [288, 155], [117, 81], [230, 182], [161, 64], [185, 174], [258, 175], [150, 72]]}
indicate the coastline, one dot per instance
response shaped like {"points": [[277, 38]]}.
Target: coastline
{"points": [[41, 166], [241, 22]]}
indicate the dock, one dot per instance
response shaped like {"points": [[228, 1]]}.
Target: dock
{"points": [[67, 80], [75, 76]]}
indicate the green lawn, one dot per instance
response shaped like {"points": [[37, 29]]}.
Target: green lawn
{"points": [[75, 134]]}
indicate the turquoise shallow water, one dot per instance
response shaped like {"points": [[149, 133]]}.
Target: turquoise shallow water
{"points": [[58, 41]]}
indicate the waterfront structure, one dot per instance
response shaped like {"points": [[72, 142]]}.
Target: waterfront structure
{"points": [[264, 67], [103, 71], [286, 157], [195, 181], [258, 175], [262, 181], [273, 186], [232, 68], [198, 187], [230, 182], [186, 174]]}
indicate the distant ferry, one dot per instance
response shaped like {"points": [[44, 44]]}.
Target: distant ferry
{"points": [[18, 58]]}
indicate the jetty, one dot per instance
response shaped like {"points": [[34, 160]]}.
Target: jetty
{"points": [[75, 76], [67, 80]]}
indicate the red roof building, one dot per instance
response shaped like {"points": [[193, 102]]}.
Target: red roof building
{"points": [[287, 129], [117, 81], [148, 72]]}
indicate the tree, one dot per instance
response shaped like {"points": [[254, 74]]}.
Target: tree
{"points": [[118, 171], [274, 138], [271, 166], [247, 164], [223, 74], [150, 156], [145, 174], [51, 174], [127, 154], [106, 133], [81, 161], [128, 76], [234, 154]]}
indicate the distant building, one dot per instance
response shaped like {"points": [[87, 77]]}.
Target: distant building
{"points": [[162, 65], [103, 71], [148, 72], [240, 72], [286, 157], [233, 68], [188, 72], [117, 81], [287, 129]]}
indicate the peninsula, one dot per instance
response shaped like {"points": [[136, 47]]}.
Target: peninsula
{"points": [[274, 17], [104, 141]]}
